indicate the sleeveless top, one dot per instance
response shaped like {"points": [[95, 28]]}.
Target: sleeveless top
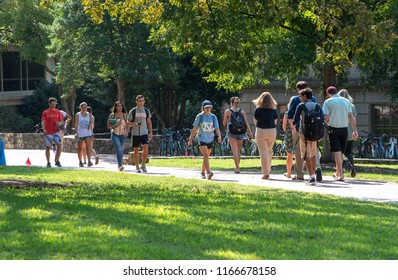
{"points": [[84, 123]]}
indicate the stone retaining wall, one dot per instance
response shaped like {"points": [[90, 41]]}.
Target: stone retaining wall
{"points": [[35, 141]]}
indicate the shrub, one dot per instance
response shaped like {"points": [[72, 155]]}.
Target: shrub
{"points": [[14, 122]]}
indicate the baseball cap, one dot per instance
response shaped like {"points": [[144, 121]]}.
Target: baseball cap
{"points": [[206, 103]]}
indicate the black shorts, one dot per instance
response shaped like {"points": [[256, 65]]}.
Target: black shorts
{"points": [[338, 139], [209, 145], [137, 140]]}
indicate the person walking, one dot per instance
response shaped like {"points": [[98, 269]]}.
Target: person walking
{"points": [[265, 118], [204, 126], [83, 130], [140, 119], [288, 138], [299, 162], [118, 123], [338, 112], [235, 120], [51, 120], [348, 148], [93, 152], [308, 146]]}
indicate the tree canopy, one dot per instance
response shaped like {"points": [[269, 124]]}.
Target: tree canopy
{"points": [[240, 43]]}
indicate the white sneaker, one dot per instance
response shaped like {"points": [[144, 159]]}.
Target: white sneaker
{"points": [[143, 168], [203, 175]]}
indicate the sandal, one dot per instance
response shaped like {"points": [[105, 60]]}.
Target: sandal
{"points": [[339, 179], [287, 175], [265, 177], [236, 171]]}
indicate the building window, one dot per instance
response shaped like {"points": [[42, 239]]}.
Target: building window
{"points": [[385, 119], [17, 75]]}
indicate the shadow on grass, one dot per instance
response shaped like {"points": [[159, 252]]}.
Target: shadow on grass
{"points": [[187, 220]]}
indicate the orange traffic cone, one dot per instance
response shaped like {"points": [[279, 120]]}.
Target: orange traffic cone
{"points": [[28, 162]]}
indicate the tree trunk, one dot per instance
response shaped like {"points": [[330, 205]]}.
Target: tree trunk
{"points": [[181, 115], [68, 104], [121, 88], [329, 79]]}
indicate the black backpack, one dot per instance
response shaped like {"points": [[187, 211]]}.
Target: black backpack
{"points": [[237, 123], [312, 125]]}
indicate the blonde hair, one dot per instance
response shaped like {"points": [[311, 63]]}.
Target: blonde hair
{"points": [[266, 101], [344, 93], [234, 101]]}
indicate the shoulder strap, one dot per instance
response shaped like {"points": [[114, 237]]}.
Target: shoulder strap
{"points": [[303, 107], [146, 112], [133, 114]]}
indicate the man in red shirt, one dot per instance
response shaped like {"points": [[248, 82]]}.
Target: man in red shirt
{"points": [[51, 120]]}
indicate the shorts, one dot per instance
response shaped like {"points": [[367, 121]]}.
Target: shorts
{"points": [[209, 145], [137, 140], [236, 136], [289, 140], [53, 138], [307, 148], [338, 139], [80, 139]]}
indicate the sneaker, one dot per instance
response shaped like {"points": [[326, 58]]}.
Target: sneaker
{"points": [[353, 173], [209, 175], [143, 168], [84, 163], [81, 164], [121, 168], [96, 160], [57, 163], [311, 181], [203, 175], [318, 173], [48, 164], [89, 164], [137, 170]]}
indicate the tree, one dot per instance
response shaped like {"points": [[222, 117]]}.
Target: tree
{"points": [[240, 43]]}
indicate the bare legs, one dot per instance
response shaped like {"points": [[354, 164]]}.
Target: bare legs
{"points": [[235, 147]]}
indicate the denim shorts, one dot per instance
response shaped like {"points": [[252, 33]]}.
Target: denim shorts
{"points": [[80, 139], [236, 136], [53, 138]]}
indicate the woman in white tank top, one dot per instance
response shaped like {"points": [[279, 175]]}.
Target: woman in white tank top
{"points": [[83, 125]]}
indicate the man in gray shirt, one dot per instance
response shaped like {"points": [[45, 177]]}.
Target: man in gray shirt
{"points": [[141, 131]]}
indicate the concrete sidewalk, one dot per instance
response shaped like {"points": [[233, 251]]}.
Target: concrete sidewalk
{"points": [[353, 188]]}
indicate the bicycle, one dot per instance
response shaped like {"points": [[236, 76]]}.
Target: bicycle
{"points": [[168, 145], [249, 147], [280, 148], [363, 147], [391, 151], [377, 146]]}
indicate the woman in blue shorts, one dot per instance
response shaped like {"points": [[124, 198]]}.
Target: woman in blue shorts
{"points": [[235, 135]]}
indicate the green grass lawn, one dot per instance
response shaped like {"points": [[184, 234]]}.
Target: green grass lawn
{"points": [[109, 215]]}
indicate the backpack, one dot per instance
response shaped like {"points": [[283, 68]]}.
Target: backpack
{"points": [[312, 124], [237, 123]]}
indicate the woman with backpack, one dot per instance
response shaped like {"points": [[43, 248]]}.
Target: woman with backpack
{"points": [[235, 120], [204, 125], [265, 118]]}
